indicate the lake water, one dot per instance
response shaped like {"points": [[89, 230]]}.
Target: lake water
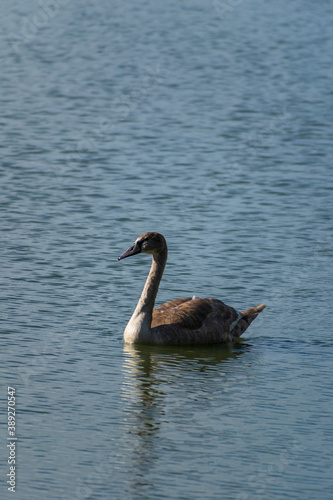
{"points": [[210, 122]]}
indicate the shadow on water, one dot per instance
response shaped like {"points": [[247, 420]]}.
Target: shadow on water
{"points": [[165, 387]]}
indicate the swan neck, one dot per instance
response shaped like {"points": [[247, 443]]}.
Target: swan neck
{"points": [[150, 289], [139, 326]]}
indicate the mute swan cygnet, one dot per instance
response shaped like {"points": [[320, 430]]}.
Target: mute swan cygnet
{"points": [[181, 321]]}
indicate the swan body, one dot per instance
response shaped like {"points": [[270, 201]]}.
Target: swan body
{"points": [[181, 321]]}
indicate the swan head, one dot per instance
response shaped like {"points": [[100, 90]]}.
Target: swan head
{"points": [[153, 243]]}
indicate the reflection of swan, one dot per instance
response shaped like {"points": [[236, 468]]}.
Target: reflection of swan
{"points": [[144, 362], [163, 389], [181, 321], [151, 372]]}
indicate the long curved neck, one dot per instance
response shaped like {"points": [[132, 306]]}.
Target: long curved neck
{"points": [[149, 292], [138, 327]]}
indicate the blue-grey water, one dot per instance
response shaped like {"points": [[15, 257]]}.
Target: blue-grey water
{"points": [[210, 122]]}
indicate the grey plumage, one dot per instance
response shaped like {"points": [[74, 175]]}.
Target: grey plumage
{"points": [[181, 321]]}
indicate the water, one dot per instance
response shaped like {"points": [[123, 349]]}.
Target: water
{"points": [[212, 124]]}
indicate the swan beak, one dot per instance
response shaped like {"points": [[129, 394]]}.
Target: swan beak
{"points": [[133, 250]]}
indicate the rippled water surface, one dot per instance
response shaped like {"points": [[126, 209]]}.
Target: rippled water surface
{"points": [[212, 124]]}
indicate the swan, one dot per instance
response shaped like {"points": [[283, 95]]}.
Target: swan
{"points": [[181, 321]]}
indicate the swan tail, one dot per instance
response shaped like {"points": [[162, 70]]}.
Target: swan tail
{"points": [[253, 313], [246, 319]]}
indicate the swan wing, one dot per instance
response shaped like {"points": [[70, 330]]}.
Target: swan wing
{"points": [[194, 313]]}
